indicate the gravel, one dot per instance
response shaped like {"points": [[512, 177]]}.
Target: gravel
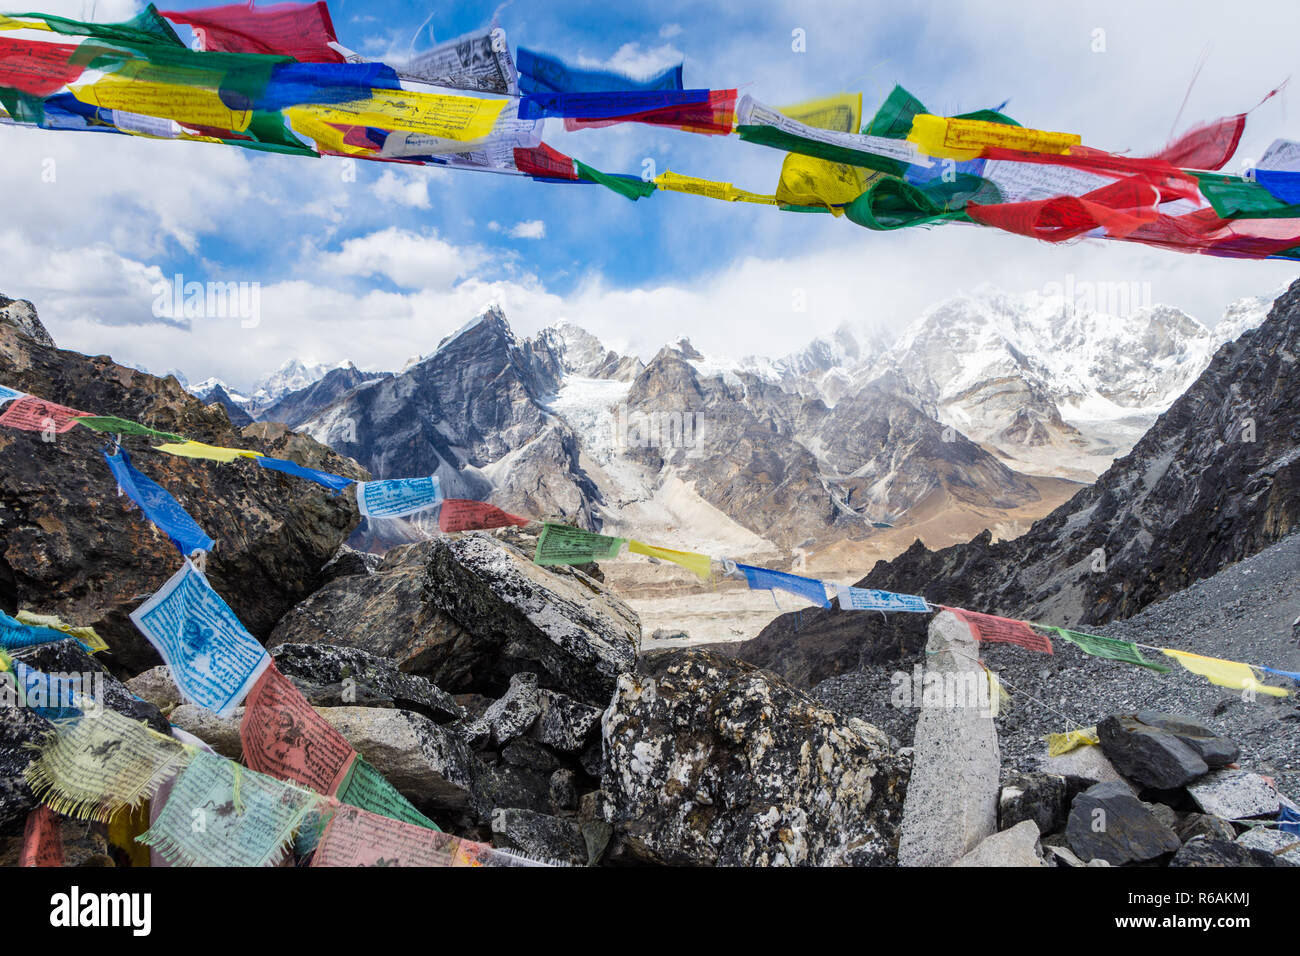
{"points": [[1243, 613]]}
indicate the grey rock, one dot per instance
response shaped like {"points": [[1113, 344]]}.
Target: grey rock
{"points": [[347, 562], [1207, 852], [429, 765], [1063, 855], [1108, 822], [1215, 749], [330, 676], [952, 797], [1017, 846], [514, 713], [529, 754], [564, 790], [157, 687], [1083, 765], [560, 624], [504, 785], [221, 734], [1164, 813], [1194, 825], [592, 759], [1235, 795], [20, 730], [1040, 797], [539, 835], [1149, 755], [1274, 841], [712, 761], [565, 724]]}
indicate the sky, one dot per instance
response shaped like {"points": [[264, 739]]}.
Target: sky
{"points": [[379, 267]]}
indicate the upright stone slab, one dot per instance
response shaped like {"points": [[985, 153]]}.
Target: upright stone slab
{"points": [[952, 797]]}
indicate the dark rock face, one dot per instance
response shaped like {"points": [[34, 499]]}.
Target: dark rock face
{"points": [[299, 406], [20, 728], [1215, 480], [1205, 851], [1108, 822], [234, 411], [710, 761], [1161, 750], [64, 530], [539, 836], [345, 676]]}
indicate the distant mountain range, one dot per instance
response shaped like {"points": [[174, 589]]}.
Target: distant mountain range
{"points": [[981, 414]]}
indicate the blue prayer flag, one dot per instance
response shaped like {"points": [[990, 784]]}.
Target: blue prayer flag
{"points": [[159, 506], [542, 73], [337, 482], [761, 579]]}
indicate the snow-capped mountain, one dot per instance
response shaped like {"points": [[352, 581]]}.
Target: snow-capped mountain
{"points": [[292, 376]]}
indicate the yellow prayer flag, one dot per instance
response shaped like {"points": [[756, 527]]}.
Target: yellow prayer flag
{"points": [[459, 118], [808, 181], [188, 96], [998, 696], [306, 123], [699, 565], [1058, 744], [949, 138], [674, 182], [196, 449], [1225, 673], [86, 635]]}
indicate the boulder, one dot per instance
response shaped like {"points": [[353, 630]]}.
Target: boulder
{"points": [[558, 623], [539, 836], [952, 797], [1108, 822], [222, 735], [330, 676], [1017, 846], [157, 687], [564, 790], [1236, 795], [1213, 748], [710, 761], [1284, 845], [427, 763], [1040, 797], [20, 730], [1149, 755], [514, 713], [565, 724], [504, 785], [348, 561], [64, 528], [1203, 851], [1194, 825], [529, 754], [1081, 767]]}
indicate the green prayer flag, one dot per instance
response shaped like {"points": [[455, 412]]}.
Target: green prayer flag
{"points": [[1233, 197], [122, 426], [891, 203], [632, 189], [366, 788], [562, 544], [1109, 648], [790, 143], [894, 118], [147, 27]]}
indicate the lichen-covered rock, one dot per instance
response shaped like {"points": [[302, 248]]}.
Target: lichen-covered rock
{"points": [[514, 713], [539, 835], [1236, 795], [1204, 851], [20, 727], [331, 676], [64, 529], [560, 624], [712, 761], [565, 724]]}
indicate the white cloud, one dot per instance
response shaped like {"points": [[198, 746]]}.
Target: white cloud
{"points": [[532, 229], [408, 188], [408, 259]]}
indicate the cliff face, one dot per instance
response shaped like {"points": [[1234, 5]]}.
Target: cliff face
{"points": [[70, 546], [1215, 480]]}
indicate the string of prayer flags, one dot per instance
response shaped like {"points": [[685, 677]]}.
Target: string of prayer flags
{"points": [[336, 482], [283, 737], [32, 414], [461, 514], [122, 426], [219, 814], [367, 788], [700, 565], [865, 599], [564, 544], [96, 765], [626, 186], [87, 637], [988, 629], [395, 497], [1279, 170], [1109, 648], [8, 394], [712, 115], [42, 839], [214, 661], [355, 837], [1294, 675], [197, 449], [761, 579], [477, 61], [543, 73], [1288, 820], [598, 106], [158, 505], [1224, 673], [1063, 743]]}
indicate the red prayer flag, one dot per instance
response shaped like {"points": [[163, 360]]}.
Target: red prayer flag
{"points": [[1120, 208], [461, 514], [990, 629], [32, 414], [302, 31], [716, 116], [42, 839], [545, 162], [36, 68]]}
